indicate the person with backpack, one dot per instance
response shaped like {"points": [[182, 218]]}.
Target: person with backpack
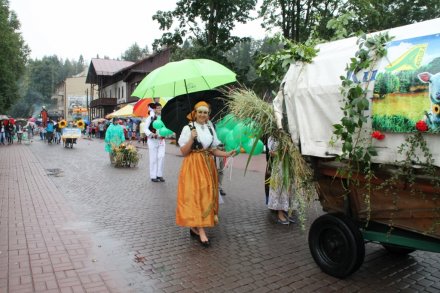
{"points": [[49, 131]]}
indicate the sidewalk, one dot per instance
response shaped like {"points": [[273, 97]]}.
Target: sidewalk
{"points": [[39, 249]]}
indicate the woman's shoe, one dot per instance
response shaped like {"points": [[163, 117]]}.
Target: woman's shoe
{"points": [[283, 222], [291, 218], [204, 243], [193, 233]]}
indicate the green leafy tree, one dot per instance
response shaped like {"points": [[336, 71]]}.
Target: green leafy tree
{"points": [[275, 65], [300, 19], [80, 65], [13, 56], [376, 15], [135, 53], [207, 23], [386, 83], [405, 78], [38, 82], [433, 66], [340, 25]]}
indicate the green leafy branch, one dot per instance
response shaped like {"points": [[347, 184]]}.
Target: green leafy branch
{"points": [[349, 131], [275, 65]]}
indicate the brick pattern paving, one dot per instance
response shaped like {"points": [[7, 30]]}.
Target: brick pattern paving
{"points": [[127, 224], [37, 252]]}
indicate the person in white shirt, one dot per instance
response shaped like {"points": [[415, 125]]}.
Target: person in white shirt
{"points": [[142, 131], [197, 190], [152, 105], [156, 146]]}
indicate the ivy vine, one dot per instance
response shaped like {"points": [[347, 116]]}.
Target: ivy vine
{"points": [[357, 149]]}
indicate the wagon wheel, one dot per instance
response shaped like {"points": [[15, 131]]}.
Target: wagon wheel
{"points": [[397, 249], [337, 245]]}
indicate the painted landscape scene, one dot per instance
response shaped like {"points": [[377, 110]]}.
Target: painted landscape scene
{"points": [[407, 86]]}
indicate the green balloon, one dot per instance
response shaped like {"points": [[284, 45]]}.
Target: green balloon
{"points": [[250, 144], [220, 124], [238, 131], [229, 121], [230, 142], [244, 139], [237, 150], [222, 132], [158, 124], [165, 131]]}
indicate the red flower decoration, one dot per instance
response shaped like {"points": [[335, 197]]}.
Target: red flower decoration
{"points": [[422, 126], [378, 135]]}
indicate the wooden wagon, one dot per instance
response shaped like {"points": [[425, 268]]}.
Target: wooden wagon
{"points": [[399, 217], [308, 106]]}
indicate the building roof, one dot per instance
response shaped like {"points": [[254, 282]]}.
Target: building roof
{"points": [[108, 66], [103, 71], [104, 68]]}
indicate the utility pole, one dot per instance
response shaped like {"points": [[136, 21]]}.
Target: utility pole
{"points": [[88, 109]]}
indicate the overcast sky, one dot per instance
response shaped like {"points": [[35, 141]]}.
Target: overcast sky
{"points": [[69, 28]]}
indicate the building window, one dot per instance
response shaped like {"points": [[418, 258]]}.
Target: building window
{"points": [[122, 91]]}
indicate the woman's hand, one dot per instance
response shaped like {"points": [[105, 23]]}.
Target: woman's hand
{"points": [[231, 153], [193, 133]]}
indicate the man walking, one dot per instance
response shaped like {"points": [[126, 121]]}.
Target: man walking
{"points": [[156, 146]]}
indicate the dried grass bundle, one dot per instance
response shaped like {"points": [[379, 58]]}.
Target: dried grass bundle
{"points": [[293, 174]]}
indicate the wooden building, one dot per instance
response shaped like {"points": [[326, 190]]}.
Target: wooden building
{"points": [[116, 80]]}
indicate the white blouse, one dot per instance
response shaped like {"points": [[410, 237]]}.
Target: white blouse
{"points": [[203, 135]]}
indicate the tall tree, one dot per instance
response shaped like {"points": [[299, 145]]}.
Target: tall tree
{"points": [[206, 22], [298, 19], [13, 56], [39, 81], [376, 15], [134, 53]]}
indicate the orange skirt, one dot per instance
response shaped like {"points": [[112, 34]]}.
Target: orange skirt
{"points": [[197, 191]]}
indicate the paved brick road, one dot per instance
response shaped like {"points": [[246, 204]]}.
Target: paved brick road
{"points": [[123, 233]]}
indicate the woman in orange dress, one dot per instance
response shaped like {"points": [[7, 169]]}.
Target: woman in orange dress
{"points": [[197, 191]]}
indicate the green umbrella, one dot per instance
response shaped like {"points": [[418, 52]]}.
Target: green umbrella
{"points": [[183, 77]]}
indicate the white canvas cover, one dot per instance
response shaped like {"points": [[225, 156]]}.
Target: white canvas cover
{"points": [[311, 93]]}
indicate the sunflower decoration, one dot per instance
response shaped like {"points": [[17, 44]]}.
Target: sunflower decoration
{"points": [[63, 123], [80, 124], [125, 155]]}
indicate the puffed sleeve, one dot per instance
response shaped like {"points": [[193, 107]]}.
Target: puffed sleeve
{"points": [[184, 136], [216, 141]]}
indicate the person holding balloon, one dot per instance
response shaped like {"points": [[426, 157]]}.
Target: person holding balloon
{"points": [[156, 144], [197, 191]]}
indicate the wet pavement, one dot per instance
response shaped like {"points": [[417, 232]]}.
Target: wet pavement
{"points": [[73, 223]]}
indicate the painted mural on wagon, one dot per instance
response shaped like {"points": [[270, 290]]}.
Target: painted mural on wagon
{"points": [[407, 86]]}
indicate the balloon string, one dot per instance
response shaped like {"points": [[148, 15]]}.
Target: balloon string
{"points": [[230, 159]]}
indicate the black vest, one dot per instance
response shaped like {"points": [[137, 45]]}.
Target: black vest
{"points": [[150, 127], [197, 145]]}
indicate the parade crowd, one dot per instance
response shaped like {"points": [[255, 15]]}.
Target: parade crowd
{"points": [[199, 183]]}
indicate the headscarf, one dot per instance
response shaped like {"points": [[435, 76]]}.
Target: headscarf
{"points": [[202, 105]]}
